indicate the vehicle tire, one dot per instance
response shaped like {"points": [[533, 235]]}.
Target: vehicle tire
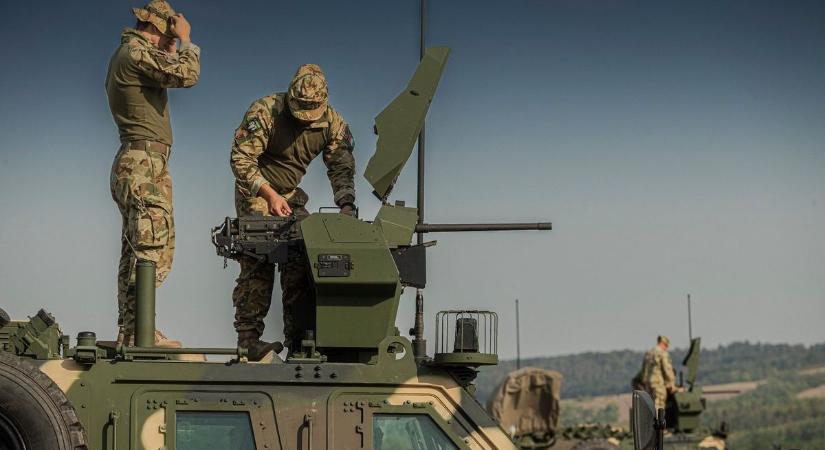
{"points": [[34, 413], [596, 444], [4, 318]]}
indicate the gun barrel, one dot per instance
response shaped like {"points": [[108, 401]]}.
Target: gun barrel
{"points": [[721, 391], [452, 227]]}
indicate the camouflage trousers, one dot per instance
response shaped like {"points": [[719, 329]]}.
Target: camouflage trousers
{"points": [[659, 395], [142, 189], [252, 296]]}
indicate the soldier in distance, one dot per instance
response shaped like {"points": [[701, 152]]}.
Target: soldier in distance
{"points": [[656, 375]]}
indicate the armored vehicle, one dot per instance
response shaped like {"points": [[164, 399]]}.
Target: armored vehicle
{"points": [[681, 417], [683, 409], [354, 383]]}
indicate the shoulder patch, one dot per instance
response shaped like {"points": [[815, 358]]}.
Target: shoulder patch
{"points": [[253, 125]]}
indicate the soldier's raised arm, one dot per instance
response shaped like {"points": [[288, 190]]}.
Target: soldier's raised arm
{"points": [[251, 139], [167, 67], [168, 70], [340, 162]]}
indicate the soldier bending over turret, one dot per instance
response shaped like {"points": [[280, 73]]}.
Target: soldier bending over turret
{"points": [[279, 136]]}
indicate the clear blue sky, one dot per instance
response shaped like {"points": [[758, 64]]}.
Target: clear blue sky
{"points": [[676, 147]]}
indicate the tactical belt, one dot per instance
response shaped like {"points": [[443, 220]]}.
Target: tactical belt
{"points": [[149, 146]]}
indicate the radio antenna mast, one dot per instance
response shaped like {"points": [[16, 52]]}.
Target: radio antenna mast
{"points": [[419, 343], [690, 321], [518, 340]]}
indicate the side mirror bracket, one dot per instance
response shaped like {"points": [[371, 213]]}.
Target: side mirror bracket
{"points": [[660, 426], [648, 424]]}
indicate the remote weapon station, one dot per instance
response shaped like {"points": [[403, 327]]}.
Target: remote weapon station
{"points": [[353, 382]]}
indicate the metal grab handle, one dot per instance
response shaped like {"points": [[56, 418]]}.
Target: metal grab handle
{"points": [[308, 425], [124, 350], [113, 418]]}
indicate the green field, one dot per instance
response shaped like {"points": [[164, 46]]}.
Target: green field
{"points": [[777, 412]]}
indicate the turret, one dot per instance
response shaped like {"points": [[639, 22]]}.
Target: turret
{"points": [[360, 268]]}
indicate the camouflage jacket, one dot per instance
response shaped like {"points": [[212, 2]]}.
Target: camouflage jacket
{"points": [[271, 147], [139, 73], [657, 370]]}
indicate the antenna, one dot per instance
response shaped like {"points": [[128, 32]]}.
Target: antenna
{"points": [[421, 137], [518, 340], [419, 343], [690, 320]]}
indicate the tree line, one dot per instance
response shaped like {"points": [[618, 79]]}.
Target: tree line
{"points": [[603, 373]]}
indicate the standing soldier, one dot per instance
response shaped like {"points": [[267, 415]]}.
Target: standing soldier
{"points": [[279, 136], [147, 62], [657, 376]]}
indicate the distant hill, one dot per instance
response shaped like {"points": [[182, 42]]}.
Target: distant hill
{"points": [[604, 373]]}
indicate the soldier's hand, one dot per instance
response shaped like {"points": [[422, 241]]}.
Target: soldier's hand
{"points": [[180, 27], [171, 47], [348, 209], [278, 205]]}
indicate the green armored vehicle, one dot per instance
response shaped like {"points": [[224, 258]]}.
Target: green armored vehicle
{"points": [[354, 383], [681, 418], [684, 408]]}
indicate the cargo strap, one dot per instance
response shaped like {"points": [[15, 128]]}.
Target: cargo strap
{"points": [[149, 146]]}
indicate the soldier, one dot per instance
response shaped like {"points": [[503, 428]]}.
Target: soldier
{"points": [[147, 62], [657, 376], [279, 136]]}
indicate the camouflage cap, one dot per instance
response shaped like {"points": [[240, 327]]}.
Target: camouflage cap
{"points": [[158, 13], [663, 338], [307, 94]]}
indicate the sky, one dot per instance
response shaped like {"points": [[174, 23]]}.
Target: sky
{"points": [[677, 147]]}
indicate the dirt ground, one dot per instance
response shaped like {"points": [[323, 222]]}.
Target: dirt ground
{"points": [[815, 392]]}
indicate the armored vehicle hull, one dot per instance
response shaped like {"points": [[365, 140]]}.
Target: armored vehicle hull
{"points": [[167, 404]]}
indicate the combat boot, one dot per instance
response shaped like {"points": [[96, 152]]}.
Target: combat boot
{"points": [[250, 340], [160, 339], [164, 342]]}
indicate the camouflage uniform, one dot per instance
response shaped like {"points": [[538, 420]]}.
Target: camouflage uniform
{"points": [[138, 76], [272, 147], [657, 375]]}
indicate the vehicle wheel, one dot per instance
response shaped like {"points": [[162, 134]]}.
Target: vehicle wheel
{"points": [[4, 318], [34, 413], [596, 444]]}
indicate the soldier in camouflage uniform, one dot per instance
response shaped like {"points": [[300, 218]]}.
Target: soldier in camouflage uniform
{"points": [[279, 136], [657, 376], [142, 68]]}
